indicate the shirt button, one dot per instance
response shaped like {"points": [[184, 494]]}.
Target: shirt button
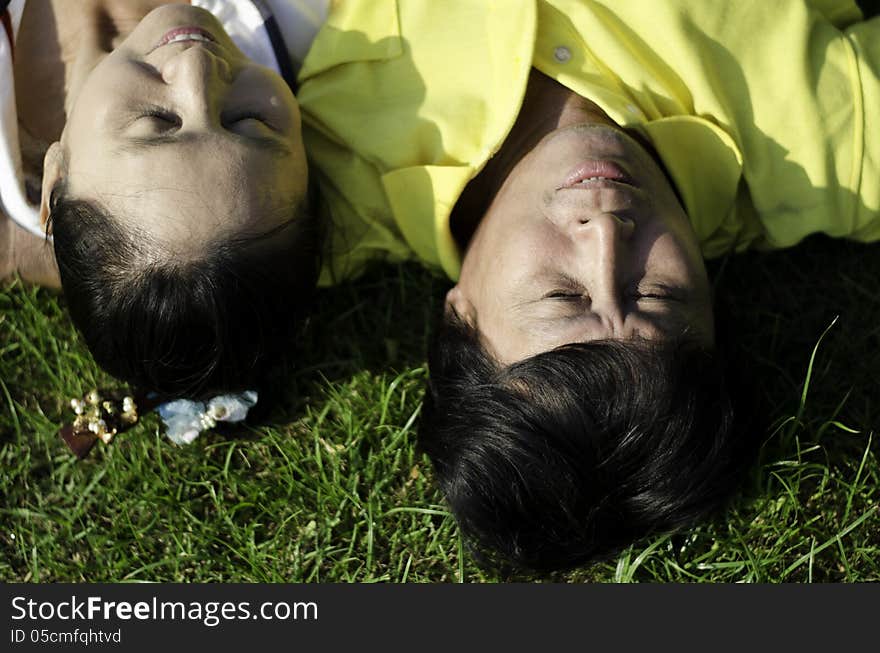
{"points": [[562, 54]]}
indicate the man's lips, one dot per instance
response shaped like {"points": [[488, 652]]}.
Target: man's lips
{"points": [[596, 174]]}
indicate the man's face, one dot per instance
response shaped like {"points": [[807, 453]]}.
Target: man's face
{"points": [[584, 240], [178, 135]]}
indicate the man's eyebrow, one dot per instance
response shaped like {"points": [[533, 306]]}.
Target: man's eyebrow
{"points": [[137, 144], [675, 321]]}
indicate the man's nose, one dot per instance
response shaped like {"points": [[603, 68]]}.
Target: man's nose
{"points": [[604, 242], [609, 225]]}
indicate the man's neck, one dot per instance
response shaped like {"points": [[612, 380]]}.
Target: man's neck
{"points": [[547, 106]]}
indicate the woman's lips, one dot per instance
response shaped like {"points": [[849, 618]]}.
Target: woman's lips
{"points": [[591, 172], [181, 34]]}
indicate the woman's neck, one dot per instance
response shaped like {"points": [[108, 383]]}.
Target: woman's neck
{"points": [[547, 106]]}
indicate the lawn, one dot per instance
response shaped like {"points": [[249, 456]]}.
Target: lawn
{"points": [[327, 486]]}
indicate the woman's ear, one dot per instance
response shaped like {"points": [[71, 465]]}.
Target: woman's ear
{"points": [[457, 301], [53, 171]]}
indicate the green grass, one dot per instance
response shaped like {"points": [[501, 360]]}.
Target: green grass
{"points": [[329, 487]]}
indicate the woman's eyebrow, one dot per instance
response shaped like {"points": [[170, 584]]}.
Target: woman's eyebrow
{"points": [[138, 144]]}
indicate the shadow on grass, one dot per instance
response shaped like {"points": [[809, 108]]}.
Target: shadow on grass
{"points": [[816, 474], [782, 302], [377, 324]]}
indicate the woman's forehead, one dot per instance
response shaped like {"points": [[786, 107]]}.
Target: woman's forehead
{"points": [[182, 199]]}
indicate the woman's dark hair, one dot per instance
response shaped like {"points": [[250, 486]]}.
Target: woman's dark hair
{"points": [[571, 455], [211, 323]]}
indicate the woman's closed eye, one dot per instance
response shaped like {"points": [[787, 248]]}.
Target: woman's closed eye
{"points": [[153, 120], [246, 120]]}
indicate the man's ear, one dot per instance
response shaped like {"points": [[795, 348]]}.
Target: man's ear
{"points": [[53, 171], [457, 301]]}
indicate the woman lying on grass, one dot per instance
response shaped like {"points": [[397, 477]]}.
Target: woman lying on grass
{"points": [[174, 183], [569, 164]]}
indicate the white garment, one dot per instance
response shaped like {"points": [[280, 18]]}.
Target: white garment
{"points": [[297, 20], [13, 200]]}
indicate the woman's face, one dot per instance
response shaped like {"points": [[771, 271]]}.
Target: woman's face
{"points": [[179, 136], [585, 240]]}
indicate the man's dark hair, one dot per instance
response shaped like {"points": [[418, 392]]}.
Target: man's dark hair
{"points": [[215, 322], [572, 455]]}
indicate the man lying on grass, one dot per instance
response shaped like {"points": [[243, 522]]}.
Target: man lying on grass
{"points": [[569, 164]]}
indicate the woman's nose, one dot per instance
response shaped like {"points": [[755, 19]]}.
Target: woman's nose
{"points": [[196, 63], [198, 76]]}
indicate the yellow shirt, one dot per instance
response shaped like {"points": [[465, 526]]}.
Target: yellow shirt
{"points": [[757, 109]]}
